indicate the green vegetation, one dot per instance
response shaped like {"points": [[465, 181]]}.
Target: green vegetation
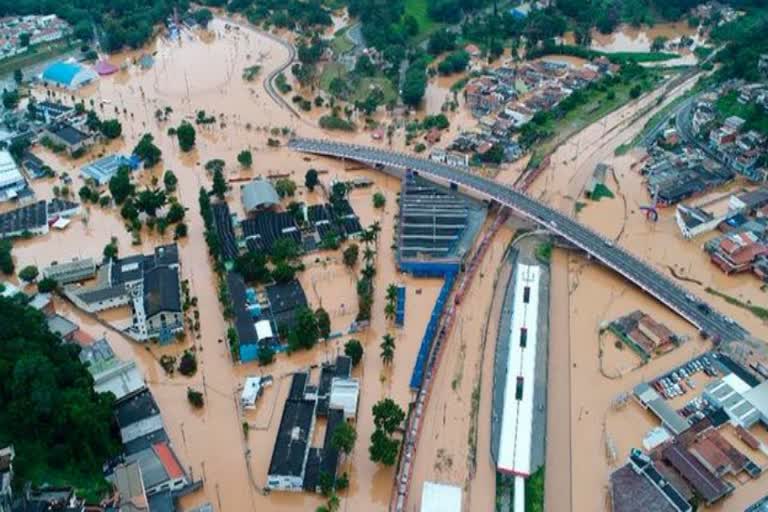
{"points": [[755, 117], [759, 311], [600, 191], [6, 259], [331, 122], [340, 42], [250, 72], [419, 11], [548, 129], [586, 53], [186, 135], [387, 349], [544, 252], [387, 417], [195, 398], [35, 54], [245, 158], [744, 40], [350, 255], [353, 349], [29, 273], [61, 428], [379, 200], [534, 491], [147, 151], [344, 438]]}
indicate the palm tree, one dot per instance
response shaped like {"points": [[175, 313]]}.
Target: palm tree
{"points": [[391, 293], [368, 272], [387, 349], [375, 229], [368, 255], [389, 310], [367, 236]]}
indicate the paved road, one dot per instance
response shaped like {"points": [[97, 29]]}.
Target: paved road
{"points": [[269, 81], [694, 310]]}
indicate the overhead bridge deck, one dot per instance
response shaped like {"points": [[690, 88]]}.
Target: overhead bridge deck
{"points": [[642, 274]]}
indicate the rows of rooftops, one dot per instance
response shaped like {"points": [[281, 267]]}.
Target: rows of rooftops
{"points": [[506, 98], [18, 33], [703, 443], [711, 145]]}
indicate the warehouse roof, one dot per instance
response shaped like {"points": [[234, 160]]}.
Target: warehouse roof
{"points": [[257, 194]]}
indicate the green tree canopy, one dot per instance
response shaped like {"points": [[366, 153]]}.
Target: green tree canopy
{"points": [[186, 135], [387, 415], [61, 428]]}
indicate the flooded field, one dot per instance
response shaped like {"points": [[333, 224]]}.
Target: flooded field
{"points": [[627, 38]]}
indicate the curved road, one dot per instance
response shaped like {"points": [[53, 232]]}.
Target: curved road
{"points": [[270, 78], [694, 310]]}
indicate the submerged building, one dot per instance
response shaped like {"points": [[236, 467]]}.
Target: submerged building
{"points": [[68, 75], [437, 227], [295, 464], [149, 284]]}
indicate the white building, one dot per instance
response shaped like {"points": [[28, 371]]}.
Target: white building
{"points": [[437, 497], [11, 180]]}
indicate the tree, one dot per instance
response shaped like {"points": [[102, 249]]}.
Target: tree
{"points": [[305, 332], [285, 187], [45, 383], [10, 99], [110, 250], [658, 43], [364, 66], [219, 184], [29, 273], [186, 135], [311, 180], [170, 181], [214, 165], [24, 39], [350, 255], [111, 128], [389, 311], [47, 285], [415, 84], [379, 200], [253, 267], [175, 213], [18, 76], [441, 41], [353, 349], [344, 437], [387, 415], [323, 322], [387, 349], [150, 200], [284, 249], [265, 355], [245, 158], [203, 17], [120, 185], [195, 398], [283, 272], [188, 363], [383, 449], [147, 151], [180, 231]]}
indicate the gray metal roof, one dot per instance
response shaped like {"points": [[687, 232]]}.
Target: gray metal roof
{"points": [[258, 193]]}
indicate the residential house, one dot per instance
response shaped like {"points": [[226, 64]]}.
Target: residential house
{"points": [[66, 135], [737, 252]]}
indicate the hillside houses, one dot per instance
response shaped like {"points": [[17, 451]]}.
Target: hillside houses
{"points": [[39, 29]]}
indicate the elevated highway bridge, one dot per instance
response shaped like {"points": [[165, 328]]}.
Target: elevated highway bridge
{"points": [[644, 275]]}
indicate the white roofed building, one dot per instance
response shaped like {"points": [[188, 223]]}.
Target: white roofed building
{"points": [[437, 497], [11, 180]]}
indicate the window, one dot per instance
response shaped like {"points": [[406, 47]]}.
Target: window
{"points": [[523, 337], [519, 389], [526, 294]]}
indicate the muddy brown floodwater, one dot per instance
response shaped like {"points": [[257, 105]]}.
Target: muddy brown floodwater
{"points": [[202, 71]]}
